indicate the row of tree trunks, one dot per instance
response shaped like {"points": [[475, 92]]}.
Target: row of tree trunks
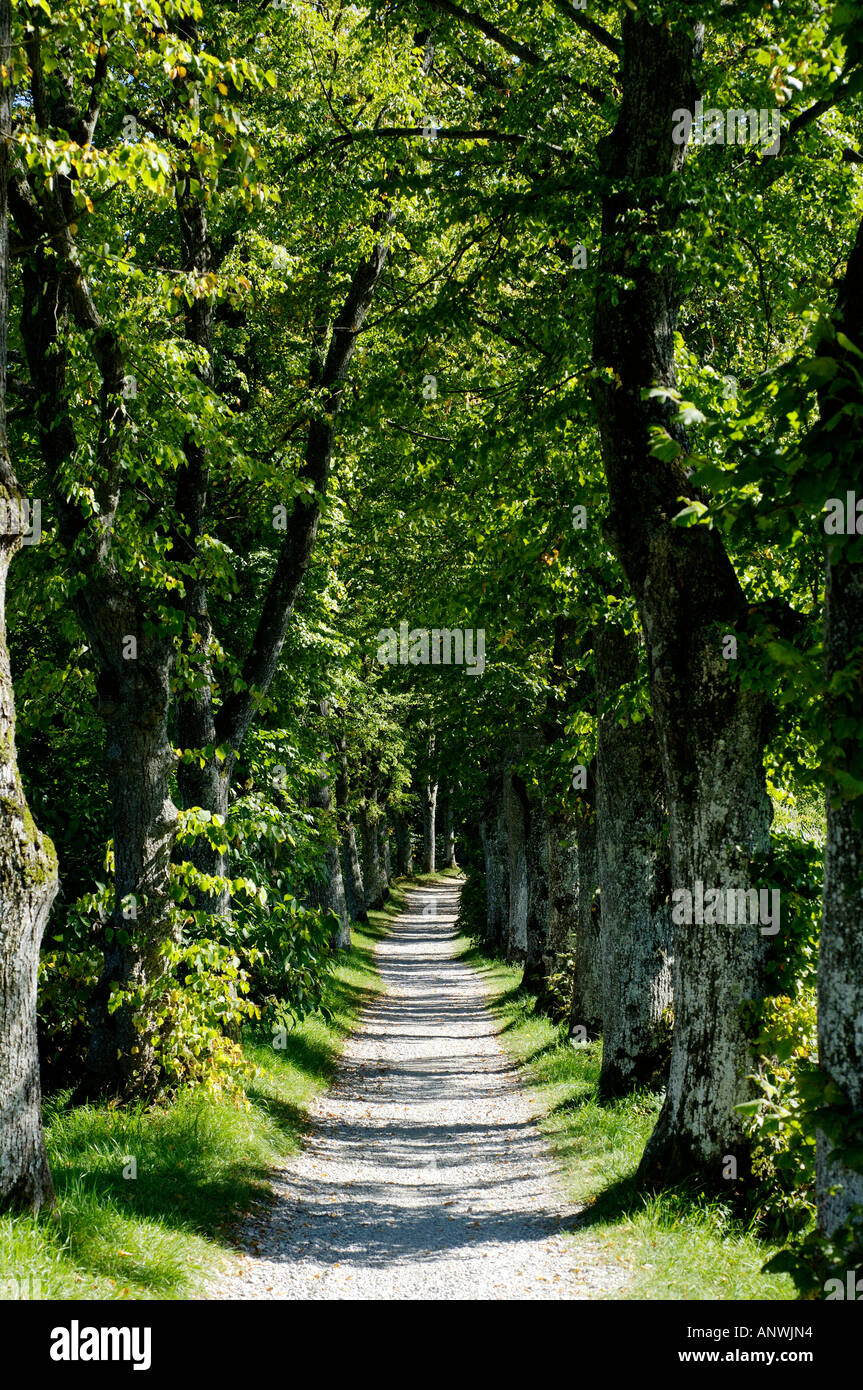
{"points": [[581, 895]]}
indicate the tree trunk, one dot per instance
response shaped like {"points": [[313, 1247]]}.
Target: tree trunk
{"points": [[133, 703], [209, 786], [496, 860], [355, 892], [28, 864], [710, 729], [515, 810], [555, 997], [840, 959], [840, 956], [330, 889], [28, 886], [445, 817], [586, 1011], [536, 925], [404, 845], [384, 851], [352, 876], [632, 855], [373, 876], [429, 825]]}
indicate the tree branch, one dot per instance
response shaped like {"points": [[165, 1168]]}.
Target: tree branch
{"points": [[476, 21], [90, 118], [416, 434], [504, 137], [589, 26]]}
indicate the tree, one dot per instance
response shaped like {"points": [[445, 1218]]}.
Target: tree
{"points": [[28, 864]]}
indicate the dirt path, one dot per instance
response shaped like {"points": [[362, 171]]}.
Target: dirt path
{"points": [[424, 1176]]}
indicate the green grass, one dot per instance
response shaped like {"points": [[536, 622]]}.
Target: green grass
{"points": [[201, 1163], [671, 1246]]}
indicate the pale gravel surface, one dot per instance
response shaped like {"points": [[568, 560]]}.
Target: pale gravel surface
{"points": [[424, 1176]]}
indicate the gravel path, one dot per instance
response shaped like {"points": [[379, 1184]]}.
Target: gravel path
{"points": [[424, 1176]]}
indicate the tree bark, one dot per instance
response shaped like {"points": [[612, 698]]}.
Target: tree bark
{"points": [[28, 864], [586, 1010], [710, 730], [536, 925], [446, 822], [515, 810], [330, 890], [404, 845], [840, 956], [555, 998], [493, 834], [840, 959], [568, 690], [633, 863], [429, 824], [133, 704], [373, 875], [355, 892], [28, 886], [384, 850]]}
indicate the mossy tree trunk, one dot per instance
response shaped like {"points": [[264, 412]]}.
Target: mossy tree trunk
{"points": [[633, 864], [28, 864], [28, 886]]}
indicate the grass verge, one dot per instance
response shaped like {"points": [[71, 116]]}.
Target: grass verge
{"points": [[672, 1246], [199, 1164]]}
